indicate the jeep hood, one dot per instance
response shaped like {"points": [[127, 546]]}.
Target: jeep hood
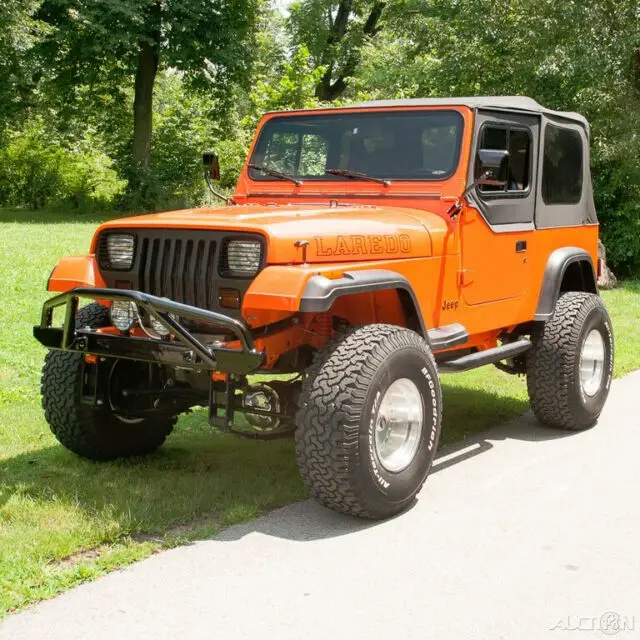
{"points": [[335, 234]]}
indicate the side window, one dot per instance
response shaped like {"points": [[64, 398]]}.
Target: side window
{"points": [[518, 143], [519, 160], [562, 166]]}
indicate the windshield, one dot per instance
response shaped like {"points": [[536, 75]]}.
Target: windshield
{"points": [[402, 145]]}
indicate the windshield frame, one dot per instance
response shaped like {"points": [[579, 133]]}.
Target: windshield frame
{"points": [[259, 177]]}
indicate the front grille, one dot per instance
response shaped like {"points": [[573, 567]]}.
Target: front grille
{"points": [[183, 265], [179, 269]]}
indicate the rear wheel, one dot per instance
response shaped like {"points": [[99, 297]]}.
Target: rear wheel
{"points": [[369, 421], [97, 432], [570, 368]]}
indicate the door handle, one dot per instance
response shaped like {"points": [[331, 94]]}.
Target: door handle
{"points": [[521, 246]]}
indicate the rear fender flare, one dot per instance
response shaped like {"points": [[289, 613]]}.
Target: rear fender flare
{"points": [[557, 265]]}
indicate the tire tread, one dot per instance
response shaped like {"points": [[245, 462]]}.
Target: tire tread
{"points": [[333, 393], [550, 364], [92, 434]]}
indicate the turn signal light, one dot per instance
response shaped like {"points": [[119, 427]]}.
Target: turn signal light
{"points": [[229, 298]]}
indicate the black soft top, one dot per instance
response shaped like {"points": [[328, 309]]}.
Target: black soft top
{"points": [[520, 104], [503, 103]]}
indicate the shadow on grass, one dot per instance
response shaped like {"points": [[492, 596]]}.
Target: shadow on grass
{"points": [[197, 476], [202, 475]]}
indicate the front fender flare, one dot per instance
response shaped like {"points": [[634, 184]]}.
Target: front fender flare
{"points": [[75, 271], [320, 292]]}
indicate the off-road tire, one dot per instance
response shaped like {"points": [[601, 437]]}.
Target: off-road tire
{"points": [[340, 396], [90, 432], [553, 365]]}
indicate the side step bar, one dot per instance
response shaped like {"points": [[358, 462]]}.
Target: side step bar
{"points": [[488, 356], [450, 335]]}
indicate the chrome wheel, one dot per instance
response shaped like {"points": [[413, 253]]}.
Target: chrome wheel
{"points": [[592, 363], [399, 425]]}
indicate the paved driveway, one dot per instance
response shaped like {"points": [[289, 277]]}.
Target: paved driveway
{"points": [[520, 533]]}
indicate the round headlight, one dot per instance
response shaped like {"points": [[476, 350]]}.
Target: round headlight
{"points": [[159, 328], [243, 257], [123, 314], [120, 248]]}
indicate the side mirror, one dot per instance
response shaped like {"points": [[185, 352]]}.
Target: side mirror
{"points": [[211, 164], [492, 167]]}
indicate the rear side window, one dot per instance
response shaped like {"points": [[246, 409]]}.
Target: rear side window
{"points": [[562, 166], [518, 143]]}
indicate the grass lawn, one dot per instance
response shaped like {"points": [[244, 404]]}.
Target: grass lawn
{"points": [[64, 520]]}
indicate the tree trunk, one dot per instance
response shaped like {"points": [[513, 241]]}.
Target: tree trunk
{"points": [[337, 31], [148, 58], [328, 91]]}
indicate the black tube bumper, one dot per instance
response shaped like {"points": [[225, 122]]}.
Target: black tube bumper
{"points": [[186, 350]]}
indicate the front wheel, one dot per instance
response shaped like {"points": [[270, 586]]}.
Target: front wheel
{"points": [[97, 432], [369, 421], [570, 368]]}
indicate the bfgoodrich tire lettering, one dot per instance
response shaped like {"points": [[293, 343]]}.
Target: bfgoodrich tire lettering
{"points": [[335, 438], [557, 396]]}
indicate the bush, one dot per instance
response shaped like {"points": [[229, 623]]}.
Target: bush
{"points": [[617, 197], [186, 123], [36, 172]]}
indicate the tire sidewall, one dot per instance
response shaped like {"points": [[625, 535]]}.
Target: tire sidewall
{"points": [[379, 484], [589, 407], [93, 432]]}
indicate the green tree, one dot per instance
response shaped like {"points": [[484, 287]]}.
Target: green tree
{"points": [[294, 89], [334, 33], [104, 45], [19, 32]]}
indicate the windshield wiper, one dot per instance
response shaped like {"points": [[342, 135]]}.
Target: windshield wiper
{"points": [[276, 174], [356, 175]]}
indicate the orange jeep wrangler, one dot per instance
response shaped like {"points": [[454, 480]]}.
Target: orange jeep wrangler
{"points": [[365, 251]]}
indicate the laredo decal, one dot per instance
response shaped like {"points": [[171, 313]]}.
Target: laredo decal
{"points": [[362, 245]]}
